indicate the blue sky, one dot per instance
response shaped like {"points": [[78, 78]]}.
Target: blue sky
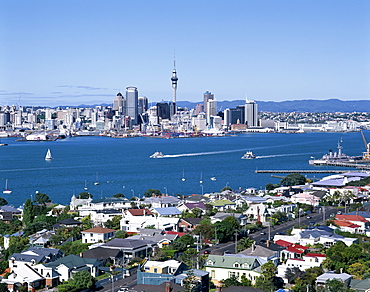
{"points": [[72, 52]]}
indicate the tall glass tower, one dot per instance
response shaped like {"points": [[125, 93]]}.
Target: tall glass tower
{"points": [[132, 97]]}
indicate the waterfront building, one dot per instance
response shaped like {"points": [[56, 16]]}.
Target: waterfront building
{"points": [[132, 104], [143, 104], [211, 110]]}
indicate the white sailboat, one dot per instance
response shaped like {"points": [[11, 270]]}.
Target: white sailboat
{"points": [[201, 178], [48, 155], [96, 181], [213, 178], [6, 191], [86, 188], [183, 176]]}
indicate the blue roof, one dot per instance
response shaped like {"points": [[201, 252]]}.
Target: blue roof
{"points": [[168, 211]]}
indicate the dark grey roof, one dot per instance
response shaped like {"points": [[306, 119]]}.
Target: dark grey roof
{"points": [[72, 262], [193, 221], [127, 243], [259, 251], [100, 253], [69, 221]]}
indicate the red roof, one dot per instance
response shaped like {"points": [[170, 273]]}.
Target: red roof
{"points": [[351, 218], [315, 255], [291, 247], [140, 212], [343, 223], [283, 243], [294, 249], [175, 232]]}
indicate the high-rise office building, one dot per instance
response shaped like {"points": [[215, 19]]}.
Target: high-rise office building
{"points": [[211, 109], [143, 104], [118, 103], [251, 113], [163, 110], [206, 97], [132, 104]]}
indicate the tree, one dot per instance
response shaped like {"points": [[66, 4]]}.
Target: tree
{"points": [[205, 228], [85, 195], [183, 242], [121, 234], [267, 281], [28, 213], [42, 198], [86, 222], [226, 189], [232, 281], [190, 282], [151, 192], [293, 179], [114, 223], [119, 195], [269, 187], [357, 270], [81, 281], [189, 257], [244, 243], [3, 202], [3, 287], [293, 273]]}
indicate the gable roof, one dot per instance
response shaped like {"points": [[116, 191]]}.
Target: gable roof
{"points": [[98, 230], [167, 211], [192, 221], [72, 262], [127, 243], [140, 212], [199, 205], [351, 218], [100, 253], [258, 250], [227, 261]]}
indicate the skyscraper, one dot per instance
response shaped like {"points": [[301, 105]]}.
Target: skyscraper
{"points": [[206, 97], [118, 103], [132, 104], [251, 113]]}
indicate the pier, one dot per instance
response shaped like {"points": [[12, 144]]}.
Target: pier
{"points": [[299, 171]]}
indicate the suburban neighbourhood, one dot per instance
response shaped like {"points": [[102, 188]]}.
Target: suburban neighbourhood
{"points": [[297, 236]]}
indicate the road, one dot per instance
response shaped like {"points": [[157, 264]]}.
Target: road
{"points": [[128, 282], [316, 217]]}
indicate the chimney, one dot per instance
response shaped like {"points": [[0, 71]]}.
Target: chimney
{"points": [[268, 243], [168, 287]]}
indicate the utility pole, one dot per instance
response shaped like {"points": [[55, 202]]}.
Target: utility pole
{"points": [[236, 242]]}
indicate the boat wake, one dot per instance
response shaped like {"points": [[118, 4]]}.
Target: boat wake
{"points": [[201, 153]]}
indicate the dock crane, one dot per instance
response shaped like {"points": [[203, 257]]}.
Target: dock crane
{"points": [[365, 155]]}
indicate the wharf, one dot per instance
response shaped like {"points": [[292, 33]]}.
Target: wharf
{"points": [[299, 171]]}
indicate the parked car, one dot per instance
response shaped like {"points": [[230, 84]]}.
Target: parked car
{"points": [[263, 233], [207, 251], [308, 217]]}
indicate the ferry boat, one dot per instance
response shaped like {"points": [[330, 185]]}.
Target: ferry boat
{"points": [[157, 155], [249, 155]]}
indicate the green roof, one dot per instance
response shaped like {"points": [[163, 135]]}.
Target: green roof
{"points": [[220, 203], [232, 262]]}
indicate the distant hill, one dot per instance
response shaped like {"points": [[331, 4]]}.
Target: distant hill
{"points": [[308, 105]]}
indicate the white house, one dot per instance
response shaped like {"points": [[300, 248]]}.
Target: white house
{"points": [[97, 234]]}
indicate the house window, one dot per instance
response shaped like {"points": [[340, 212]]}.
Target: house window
{"points": [[232, 274], [236, 265], [212, 273], [155, 270]]}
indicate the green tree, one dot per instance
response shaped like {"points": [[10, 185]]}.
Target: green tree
{"points": [[85, 195], [232, 281], [28, 213], [183, 242], [3, 287], [119, 195], [293, 179], [3, 202], [226, 189], [190, 282], [244, 243], [42, 198], [151, 192], [81, 281], [205, 228], [114, 223], [357, 270], [121, 234], [87, 223], [190, 257], [269, 187], [267, 281]]}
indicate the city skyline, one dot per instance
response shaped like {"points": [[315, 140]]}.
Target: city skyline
{"points": [[78, 52]]}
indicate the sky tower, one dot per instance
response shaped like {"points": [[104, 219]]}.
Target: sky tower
{"points": [[174, 85]]}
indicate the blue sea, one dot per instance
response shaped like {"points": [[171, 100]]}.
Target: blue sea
{"points": [[123, 165]]}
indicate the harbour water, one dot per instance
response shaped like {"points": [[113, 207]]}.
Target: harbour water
{"points": [[124, 166]]}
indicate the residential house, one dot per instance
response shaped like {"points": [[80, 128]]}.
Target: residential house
{"points": [[163, 201], [97, 234], [8, 236], [257, 213], [221, 267], [157, 235], [291, 250], [105, 255], [307, 261], [223, 205], [67, 223], [131, 248], [24, 276], [360, 285], [41, 238], [166, 212], [305, 198], [188, 224], [355, 219], [191, 206], [268, 253], [196, 199], [135, 219], [33, 256], [218, 217], [63, 269], [344, 277]]}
